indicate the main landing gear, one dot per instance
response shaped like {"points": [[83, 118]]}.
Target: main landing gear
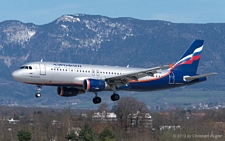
{"points": [[38, 94], [114, 96], [97, 99]]}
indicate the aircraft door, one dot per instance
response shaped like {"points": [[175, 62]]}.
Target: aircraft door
{"points": [[93, 72], [42, 69], [171, 78], [97, 72]]}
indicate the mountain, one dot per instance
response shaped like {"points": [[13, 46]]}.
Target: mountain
{"points": [[95, 39]]}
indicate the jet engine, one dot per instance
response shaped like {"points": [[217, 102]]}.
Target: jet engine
{"points": [[64, 91], [94, 85]]}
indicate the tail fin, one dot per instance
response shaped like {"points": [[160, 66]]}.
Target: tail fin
{"points": [[188, 62]]}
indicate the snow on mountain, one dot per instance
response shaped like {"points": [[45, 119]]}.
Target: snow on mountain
{"points": [[67, 18], [18, 33]]}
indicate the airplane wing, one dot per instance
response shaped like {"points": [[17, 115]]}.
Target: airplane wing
{"points": [[124, 79], [191, 78]]}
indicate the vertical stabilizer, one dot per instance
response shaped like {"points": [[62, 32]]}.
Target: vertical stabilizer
{"points": [[188, 62]]}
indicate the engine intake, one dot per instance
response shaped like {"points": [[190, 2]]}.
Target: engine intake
{"points": [[94, 85], [64, 91]]}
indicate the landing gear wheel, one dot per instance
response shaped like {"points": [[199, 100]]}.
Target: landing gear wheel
{"points": [[38, 95], [115, 97], [97, 100]]}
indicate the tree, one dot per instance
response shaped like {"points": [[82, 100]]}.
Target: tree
{"points": [[87, 134], [107, 135], [72, 136], [103, 107], [24, 135], [126, 108]]}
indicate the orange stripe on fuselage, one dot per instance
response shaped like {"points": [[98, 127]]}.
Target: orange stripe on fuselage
{"points": [[150, 79]]}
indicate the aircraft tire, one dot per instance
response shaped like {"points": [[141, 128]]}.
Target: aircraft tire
{"points": [[97, 100], [115, 97], [38, 95]]}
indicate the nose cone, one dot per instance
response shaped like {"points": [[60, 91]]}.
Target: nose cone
{"points": [[16, 75]]}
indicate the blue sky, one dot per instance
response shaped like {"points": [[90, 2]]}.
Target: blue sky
{"points": [[178, 11]]}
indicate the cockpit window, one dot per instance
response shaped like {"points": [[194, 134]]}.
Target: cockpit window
{"points": [[26, 67]]}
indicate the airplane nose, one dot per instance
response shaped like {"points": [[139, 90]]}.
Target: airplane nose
{"points": [[15, 75]]}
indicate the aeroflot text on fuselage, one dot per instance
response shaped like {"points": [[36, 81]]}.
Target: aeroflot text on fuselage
{"points": [[73, 79], [66, 65]]}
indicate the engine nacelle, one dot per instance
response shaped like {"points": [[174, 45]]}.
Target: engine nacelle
{"points": [[94, 85], [64, 91]]}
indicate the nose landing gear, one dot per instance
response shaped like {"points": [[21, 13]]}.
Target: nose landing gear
{"points": [[38, 94]]}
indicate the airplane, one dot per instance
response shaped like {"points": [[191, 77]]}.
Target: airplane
{"points": [[72, 79]]}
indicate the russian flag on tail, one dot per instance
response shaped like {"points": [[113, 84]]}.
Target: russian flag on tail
{"points": [[189, 61]]}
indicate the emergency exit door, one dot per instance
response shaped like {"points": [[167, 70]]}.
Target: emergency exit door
{"points": [[42, 69], [171, 78]]}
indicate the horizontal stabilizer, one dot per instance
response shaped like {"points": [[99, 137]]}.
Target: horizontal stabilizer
{"points": [[191, 78]]}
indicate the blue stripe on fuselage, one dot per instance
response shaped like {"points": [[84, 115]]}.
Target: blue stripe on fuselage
{"points": [[161, 84]]}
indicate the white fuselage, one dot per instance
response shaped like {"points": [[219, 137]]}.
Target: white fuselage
{"points": [[71, 75]]}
